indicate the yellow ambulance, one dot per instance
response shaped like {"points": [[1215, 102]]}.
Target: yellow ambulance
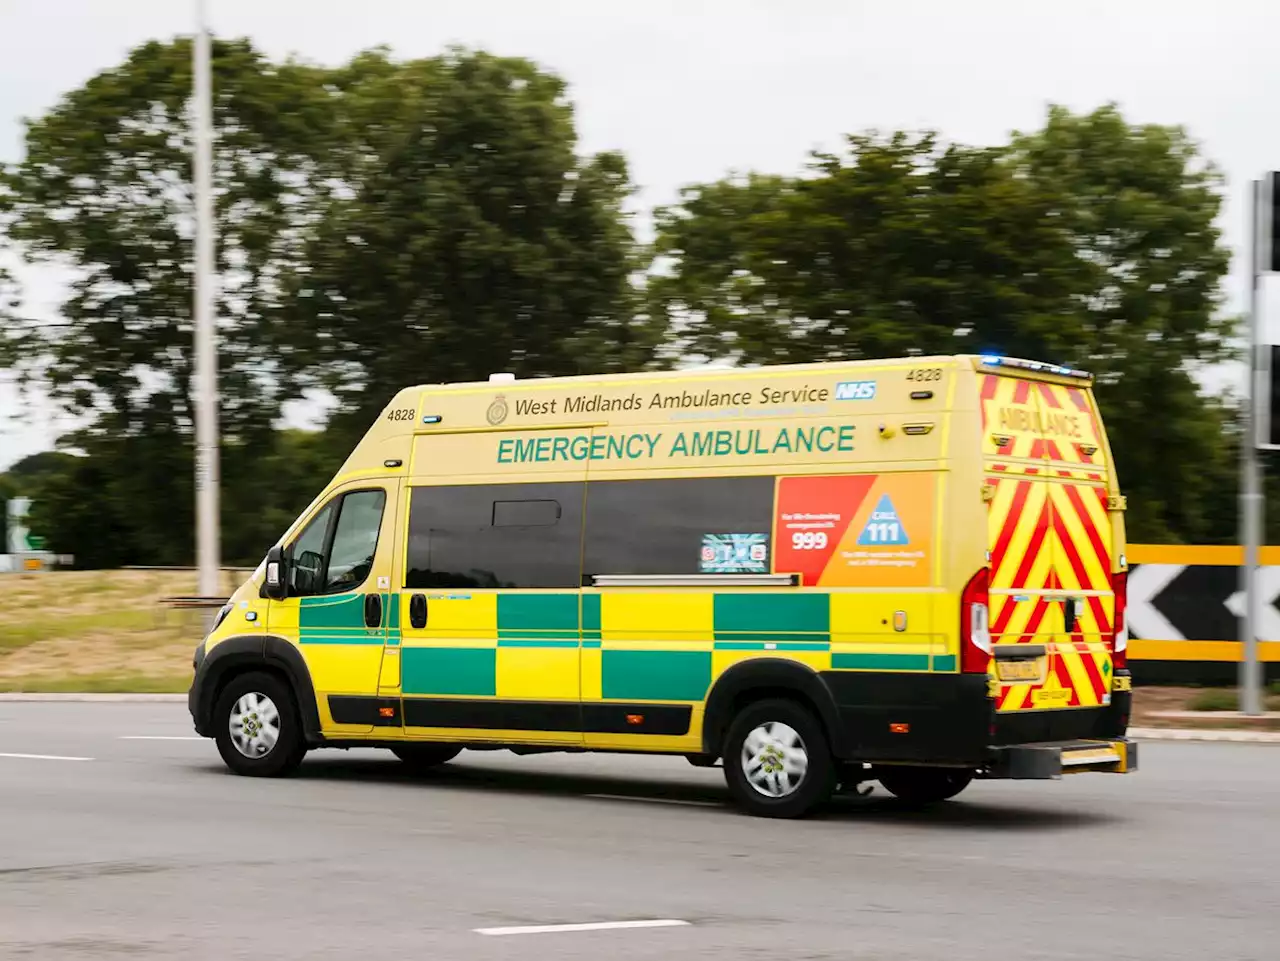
{"points": [[910, 571]]}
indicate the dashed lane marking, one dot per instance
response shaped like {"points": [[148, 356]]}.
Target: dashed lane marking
{"points": [[161, 737], [44, 757], [592, 926]]}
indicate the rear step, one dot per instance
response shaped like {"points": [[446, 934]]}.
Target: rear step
{"points": [[1053, 759]]}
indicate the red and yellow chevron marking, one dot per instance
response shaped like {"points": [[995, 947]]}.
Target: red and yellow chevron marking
{"points": [[1051, 535], [1031, 420], [1018, 525], [1082, 562]]}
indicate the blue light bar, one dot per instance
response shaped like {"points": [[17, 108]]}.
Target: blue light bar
{"points": [[431, 418], [1035, 366]]}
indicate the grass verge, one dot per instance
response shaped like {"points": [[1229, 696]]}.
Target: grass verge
{"points": [[1196, 707], [98, 684], [96, 632]]}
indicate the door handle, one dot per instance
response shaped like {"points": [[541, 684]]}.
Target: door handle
{"points": [[373, 610], [1070, 614], [418, 611]]}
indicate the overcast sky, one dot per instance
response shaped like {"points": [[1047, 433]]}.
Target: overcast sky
{"points": [[691, 90]]}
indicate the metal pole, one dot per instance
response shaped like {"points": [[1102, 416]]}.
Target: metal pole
{"points": [[1251, 481], [206, 348]]}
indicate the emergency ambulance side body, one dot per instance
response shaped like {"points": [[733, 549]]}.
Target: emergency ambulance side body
{"points": [[903, 570]]}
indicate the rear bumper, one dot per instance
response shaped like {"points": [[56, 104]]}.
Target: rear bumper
{"points": [[1030, 762], [950, 720]]}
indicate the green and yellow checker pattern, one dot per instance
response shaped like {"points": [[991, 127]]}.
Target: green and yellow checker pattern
{"points": [[658, 646], [342, 654]]}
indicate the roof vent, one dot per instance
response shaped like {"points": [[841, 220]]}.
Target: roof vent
{"points": [[501, 378]]}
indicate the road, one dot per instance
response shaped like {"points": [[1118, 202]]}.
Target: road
{"points": [[150, 850]]}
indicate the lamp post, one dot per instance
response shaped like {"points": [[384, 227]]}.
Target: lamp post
{"points": [[206, 347]]}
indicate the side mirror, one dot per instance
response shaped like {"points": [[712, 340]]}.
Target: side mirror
{"points": [[275, 584]]}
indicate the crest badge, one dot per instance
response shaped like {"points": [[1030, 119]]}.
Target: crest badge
{"points": [[497, 411]]}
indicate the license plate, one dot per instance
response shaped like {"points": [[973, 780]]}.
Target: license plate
{"points": [[1018, 670]]}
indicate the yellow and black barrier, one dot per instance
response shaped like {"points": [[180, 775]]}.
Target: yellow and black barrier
{"points": [[1184, 606]]}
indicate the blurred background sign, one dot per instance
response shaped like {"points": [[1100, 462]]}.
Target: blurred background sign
{"points": [[18, 538], [25, 551]]}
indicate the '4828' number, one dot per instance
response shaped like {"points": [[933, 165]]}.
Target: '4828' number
{"points": [[922, 374]]}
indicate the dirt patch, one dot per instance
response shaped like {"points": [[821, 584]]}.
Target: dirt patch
{"points": [[97, 631]]}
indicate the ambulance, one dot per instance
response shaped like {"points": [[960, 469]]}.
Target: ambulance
{"points": [[903, 571]]}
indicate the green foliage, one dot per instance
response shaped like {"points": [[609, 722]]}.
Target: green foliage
{"points": [[1090, 242], [105, 188], [1216, 699], [383, 222], [897, 246], [133, 502], [27, 473], [104, 683], [1138, 206], [379, 224], [470, 237]]}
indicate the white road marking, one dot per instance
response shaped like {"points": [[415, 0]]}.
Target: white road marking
{"points": [[655, 800], [45, 757], [594, 926], [161, 737]]}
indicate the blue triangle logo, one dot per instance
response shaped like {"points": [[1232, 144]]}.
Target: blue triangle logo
{"points": [[884, 528]]}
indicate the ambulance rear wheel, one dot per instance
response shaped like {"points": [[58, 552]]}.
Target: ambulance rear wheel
{"points": [[923, 785], [777, 762], [423, 757]]}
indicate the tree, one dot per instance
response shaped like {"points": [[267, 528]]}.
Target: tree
{"points": [[105, 188], [379, 223], [898, 245], [1138, 206], [469, 237], [1090, 242]]}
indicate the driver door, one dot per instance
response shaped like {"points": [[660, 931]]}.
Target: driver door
{"points": [[337, 609]]}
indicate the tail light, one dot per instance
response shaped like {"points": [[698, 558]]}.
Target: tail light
{"points": [[975, 625], [1120, 639]]}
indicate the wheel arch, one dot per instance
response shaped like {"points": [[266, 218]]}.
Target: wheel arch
{"points": [[254, 652], [762, 678]]}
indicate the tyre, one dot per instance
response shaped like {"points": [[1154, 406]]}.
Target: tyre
{"points": [[257, 727], [423, 757], [777, 762], [923, 785]]}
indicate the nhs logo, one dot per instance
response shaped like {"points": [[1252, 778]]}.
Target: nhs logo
{"points": [[856, 390]]}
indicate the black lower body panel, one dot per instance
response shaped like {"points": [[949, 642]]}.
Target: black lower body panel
{"points": [[949, 719], [942, 719], [503, 715]]}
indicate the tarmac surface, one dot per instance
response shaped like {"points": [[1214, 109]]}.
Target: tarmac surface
{"points": [[122, 836]]}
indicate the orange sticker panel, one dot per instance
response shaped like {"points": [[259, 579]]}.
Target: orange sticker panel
{"points": [[813, 515], [856, 531]]}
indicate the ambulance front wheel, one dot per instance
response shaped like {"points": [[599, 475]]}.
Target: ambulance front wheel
{"points": [[257, 727], [777, 761]]}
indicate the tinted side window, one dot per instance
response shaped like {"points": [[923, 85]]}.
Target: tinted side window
{"points": [[306, 574], [355, 539], [330, 557], [526, 513], [661, 526], [495, 535]]}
